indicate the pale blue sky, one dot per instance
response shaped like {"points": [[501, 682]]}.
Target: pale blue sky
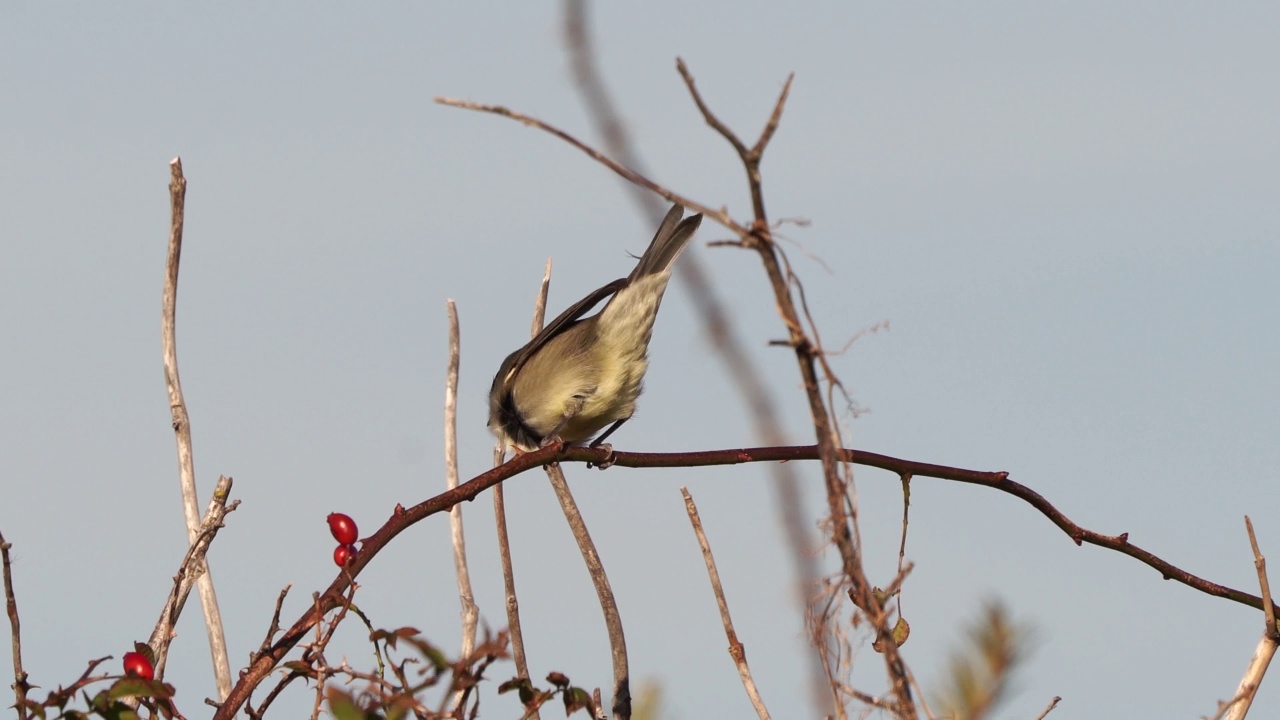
{"points": [[1067, 213]]}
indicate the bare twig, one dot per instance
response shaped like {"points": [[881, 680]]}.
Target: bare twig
{"points": [[924, 702], [1266, 650], [64, 694], [595, 569], [189, 571], [721, 216], [182, 429], [736, 649], [275, 617], [404, 518], [808, 352], [843, 523], [500, 514], [1052, 704], [902, 544], [512, 603], [20, 685], [470, 613], [1260, 564], [612, 620], [718, 327], [604, 592]]}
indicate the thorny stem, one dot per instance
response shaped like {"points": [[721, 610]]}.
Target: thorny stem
{"points": [[262, 663]]}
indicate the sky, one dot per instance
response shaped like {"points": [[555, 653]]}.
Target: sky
{"points": [[1065, 213]]}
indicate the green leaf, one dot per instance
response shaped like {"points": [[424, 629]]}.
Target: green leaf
{"points": [[901, 631], [512, 684], [145, 649], [343, 706], [575, 699], [136, 687]]}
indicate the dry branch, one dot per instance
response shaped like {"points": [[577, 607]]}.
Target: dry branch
{"points": [[182, 429], [1266, 649], [189, 572], [20, 685], [736, 649], [500, 515], [470, 613], [718, 328], [402, 518]]}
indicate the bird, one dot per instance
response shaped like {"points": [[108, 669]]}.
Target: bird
{"points": [[579, 375]]}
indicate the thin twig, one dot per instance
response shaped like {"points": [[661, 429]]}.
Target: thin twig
{"points": [[275, 618], [924, 702], [612, 620], [808, 352], [1266, 649], [470, 613], [718, 327], [842, 520], [604, 592], [736, 649], [512, 602], [1260, 564], [500, 514], [189, 572], [1052, 704], [721, 216], [902, 544], [20, 685], [182, 429]]}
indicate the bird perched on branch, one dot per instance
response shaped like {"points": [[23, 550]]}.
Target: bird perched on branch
{"points": [[580, 375]]}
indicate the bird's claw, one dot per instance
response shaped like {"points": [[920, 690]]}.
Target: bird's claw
{"points": [[609, 459]]}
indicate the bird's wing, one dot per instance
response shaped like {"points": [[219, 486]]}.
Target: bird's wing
{"points": [[563, 322]]}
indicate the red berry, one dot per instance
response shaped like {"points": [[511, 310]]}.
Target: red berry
{"points": [[344, 555], [137, 665], [343, 528]]}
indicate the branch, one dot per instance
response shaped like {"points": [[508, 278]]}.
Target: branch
{"points": [[1052, 704], [1260, 564], [20, 685], [470, 613], [604, 592], [500, 515], [263, 662], [736, 649], [1266, 650], [189, 571], [182, 427], [808, 354], [718, 328], [721, 216]]}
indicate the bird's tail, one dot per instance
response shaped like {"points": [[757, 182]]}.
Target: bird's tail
{"points": [[672, 236]]}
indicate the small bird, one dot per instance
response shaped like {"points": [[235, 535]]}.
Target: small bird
{"points": [[580, 374]]}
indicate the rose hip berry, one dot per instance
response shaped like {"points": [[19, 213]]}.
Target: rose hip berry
{"points": [[344, 555], [137, 665], [343, 528]]}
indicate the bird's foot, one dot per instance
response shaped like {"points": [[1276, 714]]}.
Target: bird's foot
{"points": [[609, 459], [552, 441]]}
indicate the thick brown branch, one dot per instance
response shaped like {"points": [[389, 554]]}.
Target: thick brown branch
{"points": [[402, 518]]}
